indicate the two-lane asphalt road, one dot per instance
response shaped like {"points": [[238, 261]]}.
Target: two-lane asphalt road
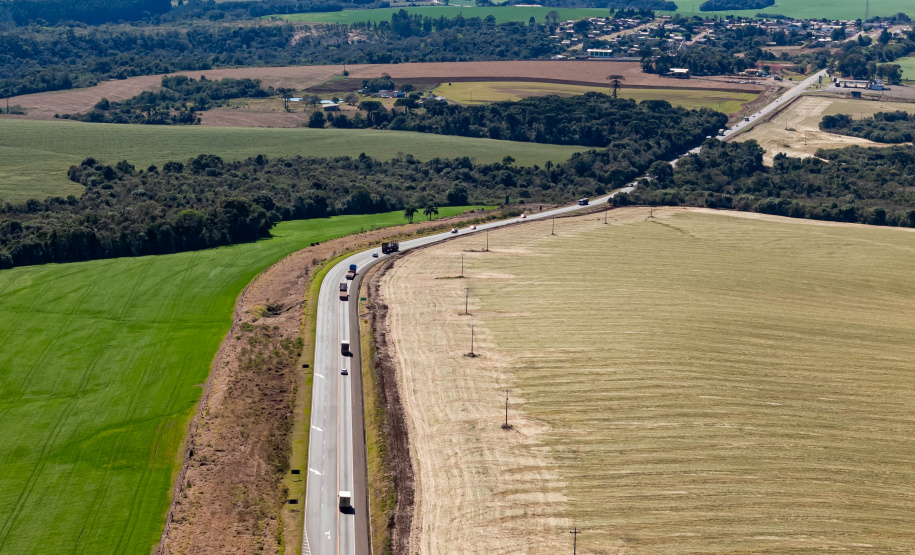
{"points": [[775, 105], [335, 462]]}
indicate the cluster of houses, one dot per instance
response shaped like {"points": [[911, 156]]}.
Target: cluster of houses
{"points": [[612, 32]]}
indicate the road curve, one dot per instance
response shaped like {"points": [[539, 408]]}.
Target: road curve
{"points": [[335, 414]]}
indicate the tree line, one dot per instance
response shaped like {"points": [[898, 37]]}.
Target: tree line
{"points": [[593, 119], [208, 202], [854, 184], [885, 127], [22, 12], [176, 103], [38, 59], [721, 5]]}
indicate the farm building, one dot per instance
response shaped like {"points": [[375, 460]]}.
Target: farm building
{"points": [[599, 53]]}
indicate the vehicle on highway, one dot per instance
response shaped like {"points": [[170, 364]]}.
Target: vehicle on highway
{"points": [[344, 293], [351, 274], [388, 248], [523, 216], [344, 348], [453, 230], [473, 227], [746, 118], [345, 500], [583, 202], [374, 255], [344, 372]]}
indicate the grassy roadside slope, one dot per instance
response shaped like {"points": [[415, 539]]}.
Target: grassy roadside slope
{"points": [[35, 155], [101, 367]]}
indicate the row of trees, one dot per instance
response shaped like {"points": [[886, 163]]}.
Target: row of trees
{"points": [[593, 119], [207, 202], [885, 127], [43, 59], [858, 185], [864, 58], [176, 103]]}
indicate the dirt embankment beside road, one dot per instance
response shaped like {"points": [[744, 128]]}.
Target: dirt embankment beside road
{"points": [[229, 496]]}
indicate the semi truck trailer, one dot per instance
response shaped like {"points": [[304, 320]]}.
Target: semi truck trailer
{"points": [[388, 248], [346, 500]]}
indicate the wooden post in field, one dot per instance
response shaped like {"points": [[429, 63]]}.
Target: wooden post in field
{"points": [[506, 426], [575, 531]]}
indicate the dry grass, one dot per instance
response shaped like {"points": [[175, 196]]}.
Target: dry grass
{"points": [[694, 383], [482, 92], [796, 131]]}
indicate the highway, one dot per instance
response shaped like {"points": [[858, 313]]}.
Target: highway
{"points": [[783, 100], [335, 463]]}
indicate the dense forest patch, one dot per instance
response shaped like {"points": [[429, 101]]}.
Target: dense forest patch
{"points": [[854, 184], [592, 119], [208, 202], [176, 103], [885, 127], [718, 5], [48, 59]]}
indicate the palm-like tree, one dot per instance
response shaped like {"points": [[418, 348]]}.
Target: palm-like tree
{"points": [[430, 211], [615, 82], [409, 212]]}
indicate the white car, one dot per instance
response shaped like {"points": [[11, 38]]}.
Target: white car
{"points": [[523, 216], [473, 227]]}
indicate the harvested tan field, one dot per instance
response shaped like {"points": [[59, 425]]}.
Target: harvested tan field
{"points": [[796, 131], [697, 382], [45, 105]]}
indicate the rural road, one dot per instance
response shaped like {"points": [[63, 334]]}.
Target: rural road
{"points": [[783, 100], [335, 462]]}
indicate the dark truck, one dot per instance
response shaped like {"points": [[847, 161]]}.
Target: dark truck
{"points": [[344, 294], [388, 248], [351, 274]]}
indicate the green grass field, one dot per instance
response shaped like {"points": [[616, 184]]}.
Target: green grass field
{"points": [[802, 9], [502, 14], [493, 91], [811, 9], [101, 366], [35, 155], [908, 67]]}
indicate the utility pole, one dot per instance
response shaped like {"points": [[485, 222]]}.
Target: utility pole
{"points": [[506, 426], [466, 298], [471, 342], [553, 231], [487, 240], [575, 531], [605, 215], [462, 265], [651, 211]]}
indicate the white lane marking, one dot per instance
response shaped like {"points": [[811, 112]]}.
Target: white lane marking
{"points": [[317, 428], [310, 469], [319, 375]]}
